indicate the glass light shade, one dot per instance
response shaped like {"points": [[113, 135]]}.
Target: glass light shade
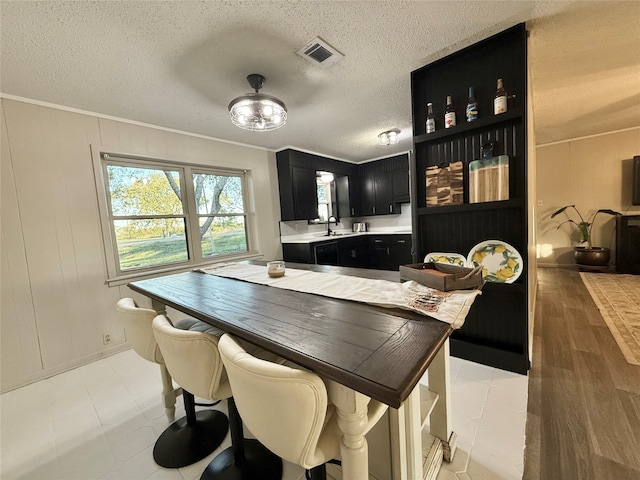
{"points": [[326, 177], [390, 137], [257, 112]]}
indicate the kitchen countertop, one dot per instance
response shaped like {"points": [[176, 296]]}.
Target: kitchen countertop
{"points": [[322, 237]]}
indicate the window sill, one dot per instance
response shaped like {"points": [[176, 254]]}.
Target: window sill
{"points": [[125, 279]]}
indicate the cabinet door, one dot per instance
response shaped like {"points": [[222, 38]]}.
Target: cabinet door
{"points": [[400, 180], [305, 199], [400, 251], [379, 252], [384, 194], [368, 195], [352, 252]]}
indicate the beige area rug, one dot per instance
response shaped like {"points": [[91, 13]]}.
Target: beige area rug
{"points": [[617, 296]]}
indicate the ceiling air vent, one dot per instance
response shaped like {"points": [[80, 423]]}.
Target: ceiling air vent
{"points": [[319, 52]]}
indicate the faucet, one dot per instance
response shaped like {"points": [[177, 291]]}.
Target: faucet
{"points": [[329, 225]]}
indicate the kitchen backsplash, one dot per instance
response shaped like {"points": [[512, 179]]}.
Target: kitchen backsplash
{"points": [[301, 227]]}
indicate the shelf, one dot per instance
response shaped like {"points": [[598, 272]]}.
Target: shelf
{"points": [[465, 127], [470, 207], [428, 400]]}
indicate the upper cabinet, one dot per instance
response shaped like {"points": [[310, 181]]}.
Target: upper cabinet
{"points": [[384, 185], [305, 200], [374, 188], [297, 183], [446, 219]]}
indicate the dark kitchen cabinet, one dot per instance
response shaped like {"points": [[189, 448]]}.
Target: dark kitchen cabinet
{"points": [[305, 200], [496, 330], [381, 252], [400, 251], [376, 195], [352, 252], [387, 252], [384, 185], [297, 184], [400, 188], [628, 244]]}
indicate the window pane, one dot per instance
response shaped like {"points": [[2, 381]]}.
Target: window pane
{"points": [[144, 191], [222, 235], [218, 193], [321, 191], [150, 242]]}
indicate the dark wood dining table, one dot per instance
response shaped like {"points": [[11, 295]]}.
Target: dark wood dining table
{"points": [[362, 351]]}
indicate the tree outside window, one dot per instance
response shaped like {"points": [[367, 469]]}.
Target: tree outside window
{"points": [[154, 211]]}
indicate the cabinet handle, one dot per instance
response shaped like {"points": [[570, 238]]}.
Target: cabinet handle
{"points": [[402, 241], [353, 212], [373, 209], [391, 208], [388, 252]]}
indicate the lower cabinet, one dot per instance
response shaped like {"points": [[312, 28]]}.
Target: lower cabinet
{"points": [[352, 252], [381, 252], [388, 252]]}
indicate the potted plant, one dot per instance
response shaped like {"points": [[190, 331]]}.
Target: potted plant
{"points": [[587, 255]]}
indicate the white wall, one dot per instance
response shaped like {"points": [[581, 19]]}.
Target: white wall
{"points": [[592, 173], [55, 302]]}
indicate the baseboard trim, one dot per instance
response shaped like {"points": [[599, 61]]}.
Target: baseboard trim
{"points": [[63, 367]]}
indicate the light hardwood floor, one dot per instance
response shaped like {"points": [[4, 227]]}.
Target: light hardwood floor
{"points": [[583, 417]]}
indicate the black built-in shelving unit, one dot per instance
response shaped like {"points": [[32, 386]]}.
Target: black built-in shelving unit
{"points": [[496, 330]]}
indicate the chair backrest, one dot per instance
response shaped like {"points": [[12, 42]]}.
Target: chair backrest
{"points": [[137, 324], [192, 359], [285, 408]]}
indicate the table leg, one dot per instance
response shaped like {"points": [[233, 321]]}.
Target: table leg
{"points": [[351, 407], [405, 434], [169, 394], [440, 420]]}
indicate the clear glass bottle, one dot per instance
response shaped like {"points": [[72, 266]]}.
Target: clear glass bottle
{"points": [[449, 114], [431, 120], [500, 99], [472, 107]]}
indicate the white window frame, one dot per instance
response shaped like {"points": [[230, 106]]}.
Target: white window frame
{"points": [[102, 157]]}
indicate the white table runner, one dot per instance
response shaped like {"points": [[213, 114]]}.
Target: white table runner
{"points": [[450, 307]]}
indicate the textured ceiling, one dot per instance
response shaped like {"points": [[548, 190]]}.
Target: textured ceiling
{"points": [[177, 64]]}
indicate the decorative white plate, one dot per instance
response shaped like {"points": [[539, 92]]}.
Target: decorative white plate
{"points": [[501, 263], [450, 258]]}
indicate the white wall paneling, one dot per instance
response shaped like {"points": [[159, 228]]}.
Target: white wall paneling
{"points": [[56, 304]]}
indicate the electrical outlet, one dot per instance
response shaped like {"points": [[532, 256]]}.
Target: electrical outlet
{"points": [[106, 339]]}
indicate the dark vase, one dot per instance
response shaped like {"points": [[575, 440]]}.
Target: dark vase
{"points": [[594, 257]]}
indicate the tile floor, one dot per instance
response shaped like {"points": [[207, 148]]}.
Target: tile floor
{"points": [[100, 421]]}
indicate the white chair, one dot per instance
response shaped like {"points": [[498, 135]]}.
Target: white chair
{"points": [[137, 325], [287, 409], [193, 436], [190, 350]]}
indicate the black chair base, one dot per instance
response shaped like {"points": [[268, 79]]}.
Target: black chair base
{"points": [[190, 438], [246, 459], [259, 464]]}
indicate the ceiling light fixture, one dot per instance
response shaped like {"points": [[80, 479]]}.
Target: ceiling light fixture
{"points": [[390, 137], [257, 111], [325, 177]]}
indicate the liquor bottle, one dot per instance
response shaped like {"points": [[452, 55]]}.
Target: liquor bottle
{"points": [[449, 114], [472, 107], [500, 100], [431, 120]]}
